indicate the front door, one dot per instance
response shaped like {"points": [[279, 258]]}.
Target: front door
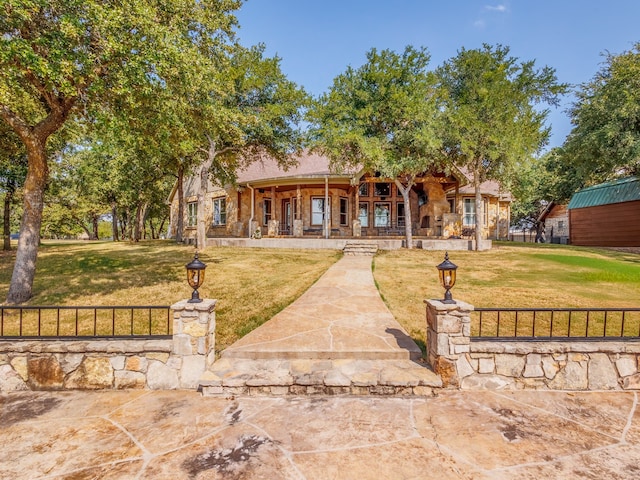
{"points": [[287, 217]]}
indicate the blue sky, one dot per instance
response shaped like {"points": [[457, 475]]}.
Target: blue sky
{"points": [[317, 39]]}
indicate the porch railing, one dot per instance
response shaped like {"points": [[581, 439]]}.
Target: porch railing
{"points": [[555, 323], [84, 322], [392, 229]]}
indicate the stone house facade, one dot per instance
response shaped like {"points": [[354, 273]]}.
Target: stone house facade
{"points": [[310, 199]]}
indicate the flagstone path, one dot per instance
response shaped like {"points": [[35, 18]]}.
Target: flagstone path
{"points": [[337, 338]]}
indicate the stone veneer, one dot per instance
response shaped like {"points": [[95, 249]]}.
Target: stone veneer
{"points": [[171, 363], [508, 364]]}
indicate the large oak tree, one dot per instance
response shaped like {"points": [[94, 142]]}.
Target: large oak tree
{"points": [[68, 57], [381, 117], [490, 103], [605, 140]]}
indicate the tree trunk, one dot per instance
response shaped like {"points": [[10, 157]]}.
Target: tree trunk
{"points": [[201, 228], [479, 216], [141, 210], [24, 269], [408, 232], [114, 222], [95, 221], [180, 193], [8, 198]]}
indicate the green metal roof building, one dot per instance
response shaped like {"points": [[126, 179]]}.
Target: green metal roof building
{"points": [[607, 214]]}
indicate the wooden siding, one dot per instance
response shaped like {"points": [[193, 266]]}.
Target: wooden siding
{"points": [[614, 225]]}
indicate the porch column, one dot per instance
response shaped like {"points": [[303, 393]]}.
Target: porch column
{"points": [[327, 208], [356, 226], [298, 230]]}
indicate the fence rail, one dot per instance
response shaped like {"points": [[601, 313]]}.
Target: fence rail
{"points": [[84, 322], [555, 323]]}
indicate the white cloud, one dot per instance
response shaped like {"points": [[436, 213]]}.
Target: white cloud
{"points": [[496, 8], [480, 23]]}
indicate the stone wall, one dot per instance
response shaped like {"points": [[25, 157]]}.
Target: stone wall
{"points": [[554, 365], [172, 363]]}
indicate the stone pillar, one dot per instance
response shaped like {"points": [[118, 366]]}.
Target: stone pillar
{"points": [[272, 228], [357, 228], [297, 228], [194, 326], [448, 339]]}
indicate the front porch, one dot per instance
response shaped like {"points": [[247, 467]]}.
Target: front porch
{"points": [[449, 244]]}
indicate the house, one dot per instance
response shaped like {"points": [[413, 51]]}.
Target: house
{"points": [[606, 215], [311, 199], [496, 208], [555, 219]]}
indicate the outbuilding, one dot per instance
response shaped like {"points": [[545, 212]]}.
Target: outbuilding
{"points": [[606, 215]]}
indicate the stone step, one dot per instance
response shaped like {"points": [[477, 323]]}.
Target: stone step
{"points": [[360, 248], [232, 376]]}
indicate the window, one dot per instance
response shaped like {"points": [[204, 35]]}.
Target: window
{"points": [[344, 209], [422, 198], [363, 190], [266, 211], [452, 206], [400, 214], [219, 211], [469, 212], [382, 215], [382, 189], [317, 210], [363, 214], [192, 214]]}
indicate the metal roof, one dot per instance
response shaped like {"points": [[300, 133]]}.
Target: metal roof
{"points": [[617, 191]]}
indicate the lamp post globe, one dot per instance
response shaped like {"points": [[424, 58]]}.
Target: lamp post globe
{"points": [[195, 277], [447, 274]]}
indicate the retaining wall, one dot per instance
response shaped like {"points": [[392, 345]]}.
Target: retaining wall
{"points": [[552, 365], [115, 363]]}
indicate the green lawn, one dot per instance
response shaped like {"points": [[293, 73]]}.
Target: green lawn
{"points": [[510, 275], [251, 284]]}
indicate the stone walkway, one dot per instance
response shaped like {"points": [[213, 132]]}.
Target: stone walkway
{"points": [[337, 338], [176, 435]]}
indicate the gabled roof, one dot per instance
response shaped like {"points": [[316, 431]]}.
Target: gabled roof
{"points": [[309, 165], [489, 188], [617, 191]]}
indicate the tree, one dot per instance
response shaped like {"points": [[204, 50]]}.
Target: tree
{"points": [[71, 58], [258, 114], [381, 117], [13, 169], [605, 140], [492, 122]]}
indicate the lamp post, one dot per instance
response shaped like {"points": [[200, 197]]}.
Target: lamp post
{"points": [[447, 273], [195, 277]]}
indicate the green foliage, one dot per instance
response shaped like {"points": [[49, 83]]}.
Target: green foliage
{"points": [[381, 116], [605, 141], [490, 104], [493, 124]]}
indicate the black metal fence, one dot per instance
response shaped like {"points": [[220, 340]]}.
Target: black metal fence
{"points": [[85, 322], [555, 323]]}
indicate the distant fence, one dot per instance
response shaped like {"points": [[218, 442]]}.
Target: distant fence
{"points": [[85, 322], [526, 235], [555, 323]]}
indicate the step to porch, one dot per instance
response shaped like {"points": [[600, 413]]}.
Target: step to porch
{"points": [[278, 377], [360, 248]]}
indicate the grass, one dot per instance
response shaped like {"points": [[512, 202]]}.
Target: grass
{"points": [[510, 275], [251, 285]]}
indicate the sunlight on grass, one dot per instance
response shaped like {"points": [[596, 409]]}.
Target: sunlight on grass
{"points": [[251, 284], [509, 276]]}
